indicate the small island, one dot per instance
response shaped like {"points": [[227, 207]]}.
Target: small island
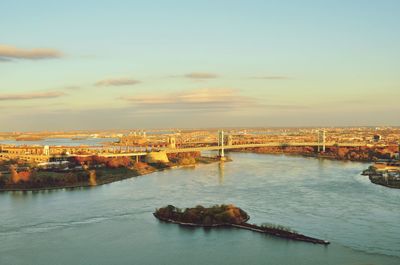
{"points": [[226, 216], [384, 173]]}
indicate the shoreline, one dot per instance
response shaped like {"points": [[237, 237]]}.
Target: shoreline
{"points": [[304, 156], [389, 178], [382, 181], [201, 160], [133, 174], [76, 186]]}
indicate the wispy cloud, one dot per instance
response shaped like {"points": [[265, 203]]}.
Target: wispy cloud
{"points": [[117, 82], [198, 75], [8, 53], [200, 99], [29, 96], [271, 77], [206, 100], [201, 75], [72, 87]]}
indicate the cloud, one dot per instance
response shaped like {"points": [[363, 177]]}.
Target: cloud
{"points": [[201, 75], [206, 101], [117, 82], [4, 60], [28, 96], [272, 77], [206, 107], [10, 52], [199, 99], [72, 87]]}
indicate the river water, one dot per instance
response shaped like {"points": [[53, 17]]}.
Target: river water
{"points": [[113, 224]]}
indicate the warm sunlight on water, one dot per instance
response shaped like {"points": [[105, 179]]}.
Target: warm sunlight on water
{"points": [[113, 224]]}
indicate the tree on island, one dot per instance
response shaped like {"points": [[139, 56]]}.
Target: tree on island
{"points": [[217, 214]]}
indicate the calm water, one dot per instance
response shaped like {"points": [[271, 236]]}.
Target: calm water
{"points": [[113, 224]]}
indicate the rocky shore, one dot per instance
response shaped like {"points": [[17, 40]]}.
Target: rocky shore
{"points": [[385, 173], [387, 181]]}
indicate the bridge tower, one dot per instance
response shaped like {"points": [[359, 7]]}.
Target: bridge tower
{"points": [[229, 140], [171, 142], [221, 142], [46, 150], [321, 140], [398, 152]]}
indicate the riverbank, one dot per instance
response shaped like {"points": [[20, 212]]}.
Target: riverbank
{"points": [[384, 173], [388, 181], [103, 176], [357, 154], [90, 177]]}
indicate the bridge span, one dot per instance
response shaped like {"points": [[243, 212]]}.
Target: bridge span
{"points": [[46, 153], [104, 153], [225, 147], [271, 144]]}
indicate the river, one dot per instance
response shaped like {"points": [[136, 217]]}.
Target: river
{"points": [[113, 224]]}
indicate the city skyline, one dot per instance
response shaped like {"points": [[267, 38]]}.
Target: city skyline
{"points": [[93, 65]]}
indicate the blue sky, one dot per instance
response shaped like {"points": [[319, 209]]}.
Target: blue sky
{"points": [[134, 64]]}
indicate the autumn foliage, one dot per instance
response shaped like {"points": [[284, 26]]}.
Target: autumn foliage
{"points": [[215, 215], [362, 153], [188, 158], [24, 175], [19, 176], [110, 162]]}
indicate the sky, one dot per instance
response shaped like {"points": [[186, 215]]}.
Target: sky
{"points": [[68, 65]]}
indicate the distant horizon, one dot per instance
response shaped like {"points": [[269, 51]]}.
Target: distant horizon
{"points": [[207, 128]]}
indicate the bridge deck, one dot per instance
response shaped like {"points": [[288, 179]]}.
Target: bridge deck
{"points": [[190, 149], [272, 144], [239, 146]]}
